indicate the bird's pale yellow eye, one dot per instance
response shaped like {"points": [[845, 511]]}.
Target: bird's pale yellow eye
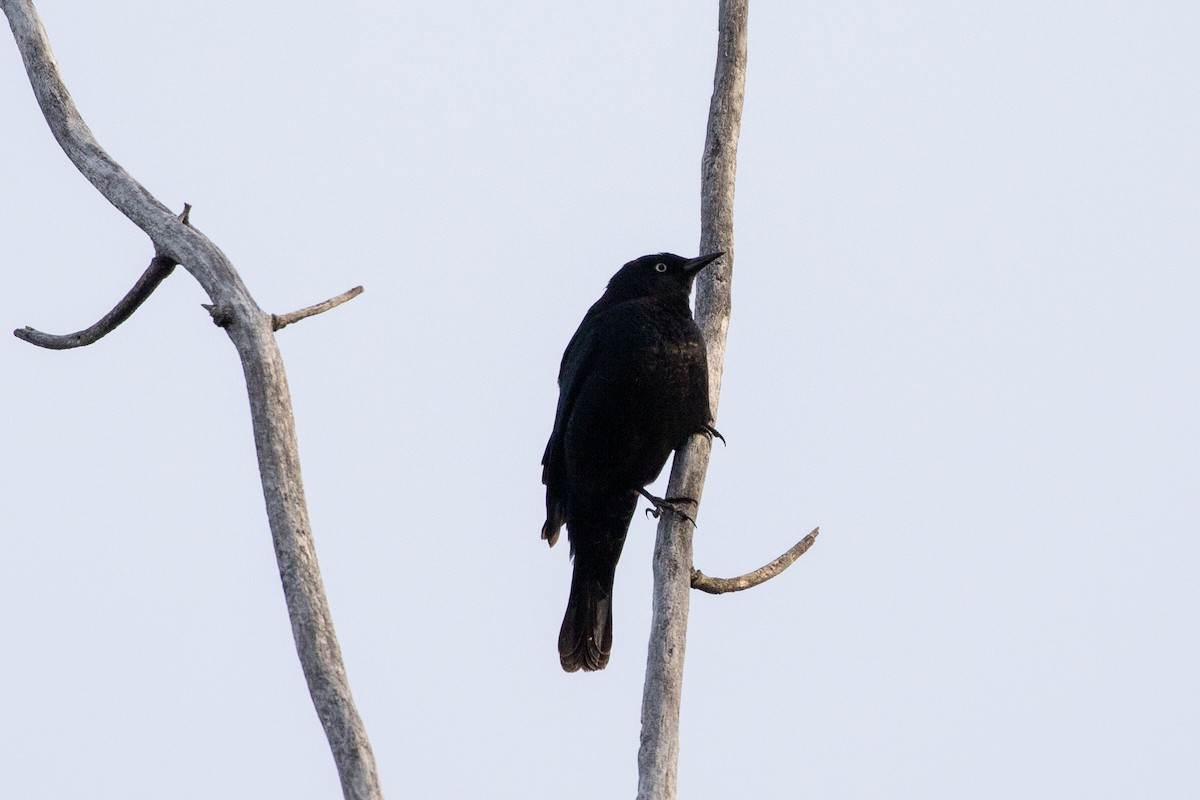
{"points": [[660, 267]]}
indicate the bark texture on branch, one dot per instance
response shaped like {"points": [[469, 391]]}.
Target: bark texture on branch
{"points": [[658, 755], [281, 321], [155, 274], [706, 583], [250, 330]]}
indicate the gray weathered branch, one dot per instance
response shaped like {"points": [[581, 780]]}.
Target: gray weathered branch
{"points": [[712, 585], [658, 755], [281, 321], [250, 330], [155, 274], [160, 267]]}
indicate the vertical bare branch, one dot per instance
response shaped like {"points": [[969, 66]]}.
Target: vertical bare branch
{"points": [[658, 755], [250, 330]]}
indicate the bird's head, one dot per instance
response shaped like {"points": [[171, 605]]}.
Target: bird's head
{"points": [[661, 274]]}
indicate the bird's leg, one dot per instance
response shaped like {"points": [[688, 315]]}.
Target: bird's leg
{"points": [[662, 504], [713, 433]]}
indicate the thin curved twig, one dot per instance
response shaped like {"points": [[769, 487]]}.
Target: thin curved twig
{"points": [[722, 585], [280, 321], [160, 267]]}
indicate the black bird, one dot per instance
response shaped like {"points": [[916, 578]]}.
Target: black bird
{"points": [[633, 386]]}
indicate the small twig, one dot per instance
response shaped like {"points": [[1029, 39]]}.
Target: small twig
{"points": [[160, 267], [722, 585], [280, 321], [222, 316]]}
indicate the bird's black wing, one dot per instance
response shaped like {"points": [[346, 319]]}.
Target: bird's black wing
{"points": [[572, 373]]}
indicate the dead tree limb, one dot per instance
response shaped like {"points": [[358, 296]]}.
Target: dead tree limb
{"points": [[250, 330], [763, 574], [160, 267], [281, 321], [658, 755]]}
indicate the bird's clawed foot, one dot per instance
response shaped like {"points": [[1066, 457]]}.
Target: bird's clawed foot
{"points": [[713, 433], [662, 504]]}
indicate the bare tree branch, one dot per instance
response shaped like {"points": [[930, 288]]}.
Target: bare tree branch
{"points": [[278, 322], [761, 575], [658, 755], [250, 330], [160, 267]]}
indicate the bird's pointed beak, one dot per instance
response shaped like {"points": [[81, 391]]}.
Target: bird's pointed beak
{"points": [[693, 265]]}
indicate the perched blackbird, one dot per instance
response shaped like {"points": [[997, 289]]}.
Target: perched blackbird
{"points": [[633, 386]]}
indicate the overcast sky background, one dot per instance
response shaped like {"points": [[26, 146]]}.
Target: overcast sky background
{"points": [[964, 343]]}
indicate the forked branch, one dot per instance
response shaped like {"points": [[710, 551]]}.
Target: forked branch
{"points": [[250, 330], [658, 755]]}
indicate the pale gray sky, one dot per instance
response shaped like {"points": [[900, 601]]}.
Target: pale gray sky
{"points": [[964, 343]]}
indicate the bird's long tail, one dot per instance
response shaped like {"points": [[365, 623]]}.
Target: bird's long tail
{"points": [[585, 639]]}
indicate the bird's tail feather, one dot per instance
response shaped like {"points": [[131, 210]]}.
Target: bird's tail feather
{"points": [[585, 639]]}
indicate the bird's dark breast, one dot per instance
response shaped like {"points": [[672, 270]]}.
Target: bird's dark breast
{"points": [[646, 392]]}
